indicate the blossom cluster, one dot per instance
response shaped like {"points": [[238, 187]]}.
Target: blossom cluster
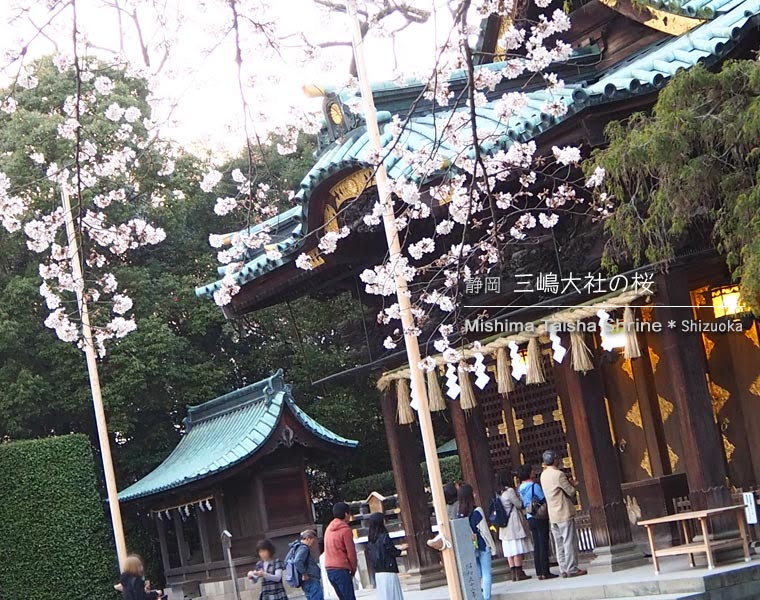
{"points": [[96, 166]]}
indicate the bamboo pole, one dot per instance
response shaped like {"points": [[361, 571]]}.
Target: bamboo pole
{"points": [[407, 320], [92, 371]]}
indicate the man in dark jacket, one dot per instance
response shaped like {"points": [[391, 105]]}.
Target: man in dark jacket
{"points": [[308, 567]]}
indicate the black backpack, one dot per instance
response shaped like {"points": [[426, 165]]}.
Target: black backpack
{"points": [[498, 516]]}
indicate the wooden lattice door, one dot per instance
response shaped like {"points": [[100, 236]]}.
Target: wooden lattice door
{"points": [[539, 424]]}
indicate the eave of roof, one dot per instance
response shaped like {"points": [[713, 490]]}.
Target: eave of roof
{"points": [[224, 432], [643, 73]]}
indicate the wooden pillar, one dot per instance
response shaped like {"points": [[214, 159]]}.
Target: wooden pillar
{"points": [[684, 360], [474, 454], [423, 563], [200, 517], [651, 417], [602, 477], [180, 537], [162, 543]]}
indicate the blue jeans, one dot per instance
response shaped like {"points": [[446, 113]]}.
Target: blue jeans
{"points": [[343, 583], [312, 589], [484, 562]]}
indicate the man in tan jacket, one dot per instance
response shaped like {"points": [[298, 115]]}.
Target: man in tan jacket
{"points": [[560, 493]]}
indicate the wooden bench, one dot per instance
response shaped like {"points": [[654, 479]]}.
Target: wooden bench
{"points": [[707, 546]]}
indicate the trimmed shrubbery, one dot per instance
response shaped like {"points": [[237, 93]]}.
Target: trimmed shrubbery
{"points": [[55, 543]]}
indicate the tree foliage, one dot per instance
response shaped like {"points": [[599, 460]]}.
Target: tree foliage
{"points": [[183, 351], [687, 173], [54, 540]]}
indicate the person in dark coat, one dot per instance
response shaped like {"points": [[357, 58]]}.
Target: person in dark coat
{"points": [[383, 554], [132, 583]]}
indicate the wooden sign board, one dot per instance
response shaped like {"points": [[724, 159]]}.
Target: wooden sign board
{"points": [[467, 563]]}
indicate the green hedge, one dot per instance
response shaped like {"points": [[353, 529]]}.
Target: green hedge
{"points": [[383, 483], [55, 543]]}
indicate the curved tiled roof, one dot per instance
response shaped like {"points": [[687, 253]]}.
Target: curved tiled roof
{"points": [[643, 73], [225, 431]]}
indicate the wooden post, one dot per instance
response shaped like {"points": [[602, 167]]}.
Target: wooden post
{"points": [[419, 388], [602, 477], [92, 370], [684, 359], [180, 533], [423, 563], [651, 418], [162, 543], [200, 517], [474, 454]]}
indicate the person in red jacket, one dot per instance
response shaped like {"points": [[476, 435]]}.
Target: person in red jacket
{"points": [[340, 553]]}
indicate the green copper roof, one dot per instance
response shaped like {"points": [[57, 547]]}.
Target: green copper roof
{"points": [[225, 431], [448, 448], [642, 73]]}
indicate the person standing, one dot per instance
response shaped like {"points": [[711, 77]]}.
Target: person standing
{"points": [[269, 570], [132, 583], [532, 495], [383, 554], [452, 505], [340, 553], [515, 537], [308, 567], [485, 547], [560, 493]]}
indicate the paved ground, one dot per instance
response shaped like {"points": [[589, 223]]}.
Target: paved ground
{"points": [[676, 578]]}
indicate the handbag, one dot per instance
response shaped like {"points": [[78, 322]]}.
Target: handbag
{"points": [[538, 508]]}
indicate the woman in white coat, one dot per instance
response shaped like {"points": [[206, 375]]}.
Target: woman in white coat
{"points": [[515, 537]]}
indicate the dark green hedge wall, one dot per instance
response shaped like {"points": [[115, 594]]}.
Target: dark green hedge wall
{"points": [[383, 483], [55, 542]]}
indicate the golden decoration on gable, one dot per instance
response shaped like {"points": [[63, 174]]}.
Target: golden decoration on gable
{"points": [[673, 457], [654, 359], [634, 415], [352, 186], [331, 218], [754, 387], [720, 396], [646, 463], [626, 366], [654, 18], [666, 407], [728, 448]]}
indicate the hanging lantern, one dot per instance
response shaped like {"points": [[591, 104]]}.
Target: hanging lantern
{"points": [[727, 302]]}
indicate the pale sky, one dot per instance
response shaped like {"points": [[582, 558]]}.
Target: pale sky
{"points": [[200, 77]]}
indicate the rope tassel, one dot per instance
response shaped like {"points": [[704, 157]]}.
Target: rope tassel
{"points": [[435, 395], [631, 349], [504, 380], [467, 395], [535, 372], [581, 355], [405, 414]]}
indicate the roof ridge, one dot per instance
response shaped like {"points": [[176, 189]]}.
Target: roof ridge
{"points": [[266, 390]]}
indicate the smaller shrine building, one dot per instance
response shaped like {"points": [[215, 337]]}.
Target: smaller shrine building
{"points": [[240, 467]]}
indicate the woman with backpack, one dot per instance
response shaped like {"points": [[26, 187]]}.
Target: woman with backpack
{"points": [[485, 547], [382, 554], [534, 501], [515, 536]]}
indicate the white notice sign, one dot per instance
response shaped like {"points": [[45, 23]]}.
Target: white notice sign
{"points": [[750, 507]]}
